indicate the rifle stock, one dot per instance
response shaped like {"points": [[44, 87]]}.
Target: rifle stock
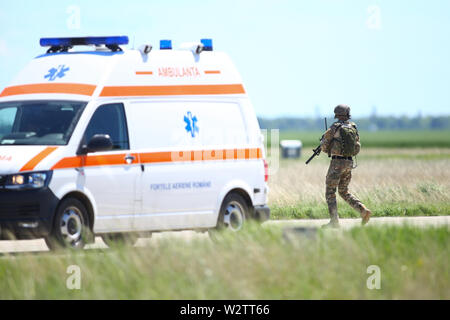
{"points": [[316, 153]]}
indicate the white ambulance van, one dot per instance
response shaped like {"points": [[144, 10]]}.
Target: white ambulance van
{"points": [[113, 142]]}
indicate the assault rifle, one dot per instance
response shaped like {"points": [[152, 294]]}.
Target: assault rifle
{"points": [[318, 149]]}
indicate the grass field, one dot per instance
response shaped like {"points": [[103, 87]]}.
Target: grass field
{"points": [[255, 264], [412, 179], [380, 139], [391, 182]]}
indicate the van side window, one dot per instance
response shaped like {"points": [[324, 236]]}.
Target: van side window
{"points": [[110, 119]]}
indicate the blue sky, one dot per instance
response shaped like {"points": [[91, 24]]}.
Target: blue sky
{"points": [[297, 58]]}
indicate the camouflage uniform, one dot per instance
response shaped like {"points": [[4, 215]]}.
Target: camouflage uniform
{"points": [[339, 173]]}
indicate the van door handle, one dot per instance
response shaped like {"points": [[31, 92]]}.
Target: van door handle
{"points": [[129, 158]]}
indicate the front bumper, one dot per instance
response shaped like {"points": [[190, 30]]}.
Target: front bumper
{"points": [[26, 214], [262, 213]]}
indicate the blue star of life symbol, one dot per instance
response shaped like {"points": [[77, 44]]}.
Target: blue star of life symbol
{"points": [[59, 72], [191, 124]]}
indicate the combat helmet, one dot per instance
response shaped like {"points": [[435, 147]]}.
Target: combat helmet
{"points": [[342, 110]]}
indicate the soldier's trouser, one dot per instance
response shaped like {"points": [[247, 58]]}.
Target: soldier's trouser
{"points": [[339, 176]]}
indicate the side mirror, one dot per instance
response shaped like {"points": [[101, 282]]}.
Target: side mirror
{"points": [[98, 143]]}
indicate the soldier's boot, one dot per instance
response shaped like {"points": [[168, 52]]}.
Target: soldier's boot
{"points": [[334, 218], [365, 215]]}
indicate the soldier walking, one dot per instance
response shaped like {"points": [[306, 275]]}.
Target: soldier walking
{"points": [[341, 143]]}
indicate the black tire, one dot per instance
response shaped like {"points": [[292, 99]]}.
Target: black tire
{"points": [[233, 214], [119, 239], [70, 226]]}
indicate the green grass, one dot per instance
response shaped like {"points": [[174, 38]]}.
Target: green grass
{"points": [[407, 182], [259, 263], [381, 139], [314, 210], [398, 156]]}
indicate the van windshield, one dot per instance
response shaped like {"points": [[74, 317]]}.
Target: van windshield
{"points": [[38, 122]]}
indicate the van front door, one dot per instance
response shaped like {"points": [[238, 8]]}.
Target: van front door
{"points": [[111, 176]]}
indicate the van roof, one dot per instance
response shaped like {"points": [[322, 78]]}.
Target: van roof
{"points": [[83, 75]]}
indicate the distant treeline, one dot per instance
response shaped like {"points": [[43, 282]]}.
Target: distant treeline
{"points": [[373, 123]]}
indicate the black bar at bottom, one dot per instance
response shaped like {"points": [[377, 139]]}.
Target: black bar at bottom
{"points": [[236, 309]]}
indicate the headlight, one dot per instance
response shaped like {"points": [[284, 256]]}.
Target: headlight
{"points": [[30, 180]]}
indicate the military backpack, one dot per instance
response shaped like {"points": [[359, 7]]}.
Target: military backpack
{"points": [[348, 139]]}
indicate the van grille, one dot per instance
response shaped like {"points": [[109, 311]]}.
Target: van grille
{"points": [[14, 210]]}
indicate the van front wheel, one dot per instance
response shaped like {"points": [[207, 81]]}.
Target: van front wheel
{"points": [[70, 227]]}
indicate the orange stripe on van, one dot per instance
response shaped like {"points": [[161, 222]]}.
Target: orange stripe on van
{"points": [[68, 88], [159, 157], [69, 162], [38, 158], [122, 91], [144, 72], [93, 161], [212, 71], [107, 160]]}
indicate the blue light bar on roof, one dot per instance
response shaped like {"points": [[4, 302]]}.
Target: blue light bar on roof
{"points": [[66, 42], [207, 44], [165, 45]]}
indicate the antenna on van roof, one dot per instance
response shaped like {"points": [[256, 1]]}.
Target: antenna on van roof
{"points": [[195, 47]]}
